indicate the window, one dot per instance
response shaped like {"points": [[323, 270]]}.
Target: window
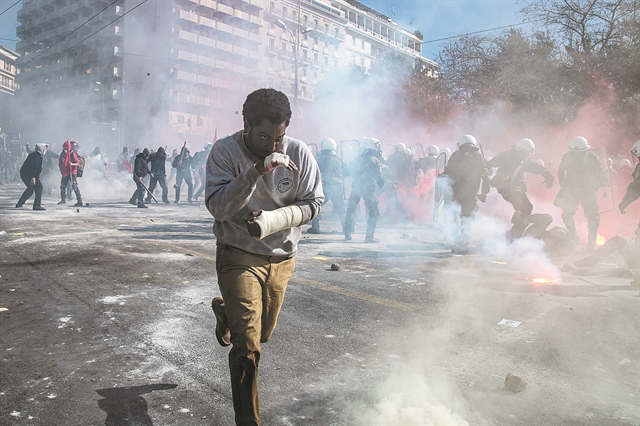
{"points": [[284, 46], [272, 42], [271, 63], [7, 66], [317, 23], [316, 57], [285, 9], [305, 53], [181, 119]]}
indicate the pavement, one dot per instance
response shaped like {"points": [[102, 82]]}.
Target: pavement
{"points": [[105, 319]]}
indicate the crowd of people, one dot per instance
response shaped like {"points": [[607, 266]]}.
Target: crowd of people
{"points": [[147, 168], [458, 180]]}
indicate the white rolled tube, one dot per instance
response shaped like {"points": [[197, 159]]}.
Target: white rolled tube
{"points": [[277, 220]]}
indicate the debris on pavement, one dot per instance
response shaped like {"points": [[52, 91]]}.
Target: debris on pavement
{"points": [[514, 384], [335, 267], [3, 232], [510, 323], [3, 309]]}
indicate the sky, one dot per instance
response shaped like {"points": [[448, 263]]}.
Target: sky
{"points": [[435, 19]]}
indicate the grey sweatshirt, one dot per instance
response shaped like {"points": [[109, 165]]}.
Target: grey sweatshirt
{"points": [[235, 188]]}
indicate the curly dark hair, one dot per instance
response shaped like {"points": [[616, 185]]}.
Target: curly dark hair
{"points": [[266, 104]]}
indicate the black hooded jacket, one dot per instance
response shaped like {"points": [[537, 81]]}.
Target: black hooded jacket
{"points": [[158, 161], [141, 169], [32, 166]]}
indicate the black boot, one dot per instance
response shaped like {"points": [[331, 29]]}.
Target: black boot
{"points": [[371, 229], [63, 196]]}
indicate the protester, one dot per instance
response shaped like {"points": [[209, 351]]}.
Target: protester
{"points": [[30, 175], [261, 186]]}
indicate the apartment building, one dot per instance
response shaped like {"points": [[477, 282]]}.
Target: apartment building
{"points": [[140, 73], [8, 86]]}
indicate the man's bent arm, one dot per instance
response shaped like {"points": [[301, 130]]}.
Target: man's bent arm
{"points": [[227, 194]]}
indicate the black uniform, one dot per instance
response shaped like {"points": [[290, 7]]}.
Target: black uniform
{"points": [[31, 169], [403, 168], [510, 183], [633, 190], [366, 170], [464, 174], [182, 163], [158, 174], [198, 163], [332, 185], [578, 175], [48, 169], [140, 170]]}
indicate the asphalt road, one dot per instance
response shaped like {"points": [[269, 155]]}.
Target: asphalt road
{"points": [[106, 319]]}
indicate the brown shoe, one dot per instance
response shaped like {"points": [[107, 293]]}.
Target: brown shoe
{"points": [[222, 322]]}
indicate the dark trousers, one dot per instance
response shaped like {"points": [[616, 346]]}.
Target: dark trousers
{"points": [[37, 188], [335, 194], [463, 205], [138, 195], [162, 181], [517, 197], [589, 203], [373, 212], [203, 181], [66, 180], [186, 176]]}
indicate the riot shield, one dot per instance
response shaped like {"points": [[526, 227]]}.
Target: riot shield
{"points": [[418, 150], [601, 180], [349, 150], [314, 149], [438, 197]]}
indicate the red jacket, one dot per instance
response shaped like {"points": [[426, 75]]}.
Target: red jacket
{"points": [[64, 163]]}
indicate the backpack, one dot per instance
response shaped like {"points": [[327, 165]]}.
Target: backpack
{"points": [[80, 166]]}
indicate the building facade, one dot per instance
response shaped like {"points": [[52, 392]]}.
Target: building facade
{"points": [[8, 86], [133, 74]]}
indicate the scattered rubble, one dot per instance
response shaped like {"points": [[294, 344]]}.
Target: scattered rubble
{"points": [[335, 267], [514, 384]]}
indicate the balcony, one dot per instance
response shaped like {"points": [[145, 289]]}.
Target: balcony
{"points": [[223, 9], [185, 98], [207, 5], [207, 61], [255, 38], [225, 28], [270, 50], [225, 47], [187, 56], [187, 36], [240, 15], [188, 16], [240, 33], [187, 76], [204, 80], [206, 41], [201, 100], [240, 51], [206, 22], [256, 20]]}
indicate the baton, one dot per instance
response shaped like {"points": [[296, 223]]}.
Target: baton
{"points": [[150, 194]]}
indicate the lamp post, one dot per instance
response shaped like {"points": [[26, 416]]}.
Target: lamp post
{"points": [[101, 115], [113, 127], [296, 47]]}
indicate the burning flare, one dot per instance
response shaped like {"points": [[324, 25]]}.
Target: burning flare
{"points": [[600, 240], [542, 281]]}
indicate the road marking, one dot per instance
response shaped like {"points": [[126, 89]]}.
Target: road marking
{"points": [[355, 294], [297, 280], [180, 249]]}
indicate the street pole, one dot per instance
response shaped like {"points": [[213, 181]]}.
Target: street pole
{"points": [[297, 56]]}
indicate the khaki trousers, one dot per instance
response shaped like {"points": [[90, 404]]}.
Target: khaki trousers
{"points": [[253, 288]]}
